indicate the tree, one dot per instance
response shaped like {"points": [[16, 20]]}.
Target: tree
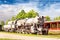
{"points": [[21, 15], [32, 14], [13, 18], [48, 18], [57, 18], [2, 23], [7, 21], [29, 14]]}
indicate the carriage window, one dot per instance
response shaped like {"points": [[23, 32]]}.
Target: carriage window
{"points": [[53, 25], [59, 25], [48, 25]]}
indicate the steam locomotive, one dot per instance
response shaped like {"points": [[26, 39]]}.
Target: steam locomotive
{"points": [[27, 26]]}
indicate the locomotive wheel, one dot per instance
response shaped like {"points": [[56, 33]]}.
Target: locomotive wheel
{"points": [[26, 32], [38, 33], [11, 30], [18, 31], [22, 32], [45, 31], [29, 32], [6, 30]]}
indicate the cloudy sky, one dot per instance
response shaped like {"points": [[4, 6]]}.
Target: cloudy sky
{"points": [[10, 8]]}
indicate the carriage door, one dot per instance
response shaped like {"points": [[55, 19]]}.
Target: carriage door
{"points": [[47, 25]]}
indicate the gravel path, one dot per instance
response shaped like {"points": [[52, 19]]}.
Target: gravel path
{"points": [[13, 36]]}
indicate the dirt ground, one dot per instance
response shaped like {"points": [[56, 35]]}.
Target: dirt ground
{"points": [[14, 36]]}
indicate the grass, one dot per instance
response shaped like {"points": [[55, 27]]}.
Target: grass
{"points": [[51, 35], [8, 39]]}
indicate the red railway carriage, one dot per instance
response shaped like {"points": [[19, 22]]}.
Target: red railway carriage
{"points": [[52, 25]]}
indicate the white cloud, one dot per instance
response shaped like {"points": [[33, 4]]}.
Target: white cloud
{"points": [[52, 11], [6, 11]]}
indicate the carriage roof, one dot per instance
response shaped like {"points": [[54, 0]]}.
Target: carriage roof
{"points": [[51, 21]]}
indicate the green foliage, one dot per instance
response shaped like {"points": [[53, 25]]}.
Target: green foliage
{"points": [[13, 18], [2, 23], [29, 14], [21, 15], [7, 21], [48, 18], [57, 18]]}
